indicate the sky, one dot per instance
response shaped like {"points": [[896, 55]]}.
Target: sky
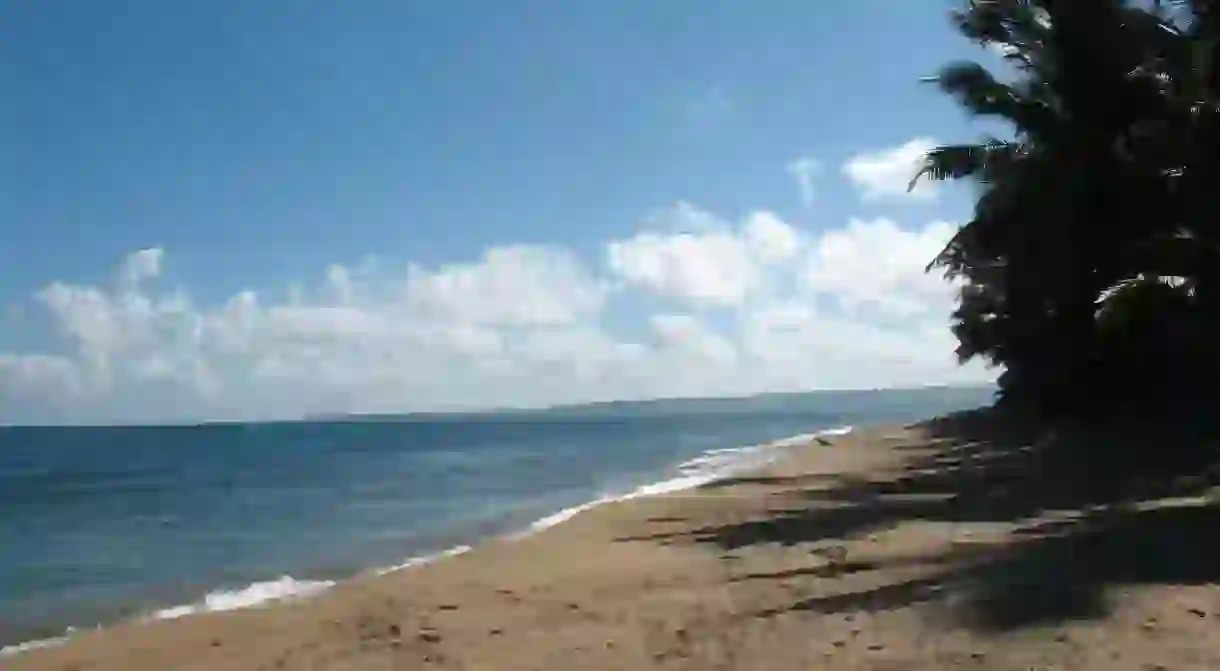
{"points": [[236, 210]]}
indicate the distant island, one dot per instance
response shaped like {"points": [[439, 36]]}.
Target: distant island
{"points": [[836, 402]]}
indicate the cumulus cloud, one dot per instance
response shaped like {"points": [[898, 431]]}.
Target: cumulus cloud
{"points": [[769, 239], [104, 325], [142, 265], [711, 268], [877, 264], [689, 336], [887, 173], [519, 325], [39, 373], [804, 171], [704, 260], [516, 286]]}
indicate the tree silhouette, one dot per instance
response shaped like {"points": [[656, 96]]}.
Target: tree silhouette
{"points": [[1089, 267]]}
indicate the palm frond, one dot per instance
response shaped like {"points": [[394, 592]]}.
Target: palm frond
{"points": [[1018, 25], [984, 160], [981, 94]]}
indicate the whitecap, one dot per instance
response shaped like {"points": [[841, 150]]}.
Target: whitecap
{"points": [[425, 559], [703, 469], [285, 587], [19, 648]]}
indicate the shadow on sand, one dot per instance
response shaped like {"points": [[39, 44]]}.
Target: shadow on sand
{"points": [[1105, 493]]}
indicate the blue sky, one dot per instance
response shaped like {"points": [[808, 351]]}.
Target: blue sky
{"points": [[647, 184]]}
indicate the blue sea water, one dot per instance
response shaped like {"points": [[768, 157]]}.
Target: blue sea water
{"points": [[99, 524]]}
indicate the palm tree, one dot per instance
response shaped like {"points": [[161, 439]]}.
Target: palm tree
{"points": [[1095, 219]]}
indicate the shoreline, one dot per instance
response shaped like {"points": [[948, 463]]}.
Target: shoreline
{"points": [[942, 544], [289, 589]]}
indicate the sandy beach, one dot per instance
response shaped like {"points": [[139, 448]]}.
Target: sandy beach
{"points": [[942, 545]]}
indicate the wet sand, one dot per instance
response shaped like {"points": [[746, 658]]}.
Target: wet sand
{"points": [[889, 548]]}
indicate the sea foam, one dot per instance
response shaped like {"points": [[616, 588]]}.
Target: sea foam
{"points": [[706, 468], [254, 594], [425, 559], [19, 648]]}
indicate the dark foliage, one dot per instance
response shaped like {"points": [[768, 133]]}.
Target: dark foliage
{"points": [[1090, 271]]}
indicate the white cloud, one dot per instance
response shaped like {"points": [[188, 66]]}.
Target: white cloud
{"points": [[513, 286], [520, 325], [339, 280], [887, 174], [104, 325], [804, 171], [144, 264], [704, 261], [876, 264], [38, 374], [770, 239], [689, 336]]}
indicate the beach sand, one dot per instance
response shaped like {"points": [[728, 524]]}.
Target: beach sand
{"points": [[888, 548]]}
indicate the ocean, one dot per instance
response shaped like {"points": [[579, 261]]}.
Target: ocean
{"points": [[102, 524]]}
